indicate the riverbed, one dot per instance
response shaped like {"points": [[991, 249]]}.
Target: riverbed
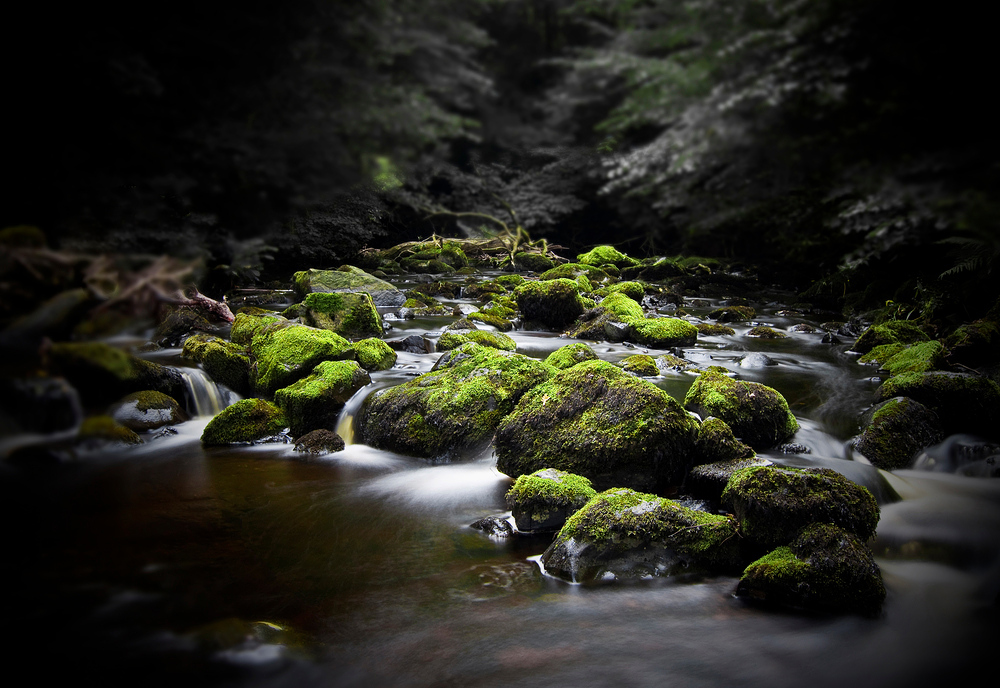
{"points": [[175, 564]]}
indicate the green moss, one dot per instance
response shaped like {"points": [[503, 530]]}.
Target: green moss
{"points": [[758, 414], [351, 315], [662, 333], [287, 354], [249, 322], [763, 332], [622, 306], [494, 318], [716, 443], [713, 330], [347, 279], [634, 290], [454, 339], [917, 358], [533, 262], [891, 332], [225, 362], [573, 270], [147, 410], [511, 282], [882, 353], [569, 355], [553, 486], [316, 400], [642, 365], [107, 429], [898, 429], [965, 403], [553, 303], [600, 255], [374, 354], [246, 421], [103, 373], [733, 314]]}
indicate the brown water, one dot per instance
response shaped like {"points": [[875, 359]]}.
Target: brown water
{"points": [[171, 564]]}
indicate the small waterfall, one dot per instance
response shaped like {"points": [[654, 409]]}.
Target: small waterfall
{"points": [[345, 422], [205, 397]]}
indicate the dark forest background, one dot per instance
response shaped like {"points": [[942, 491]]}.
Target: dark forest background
{"points": [[844, 148]]}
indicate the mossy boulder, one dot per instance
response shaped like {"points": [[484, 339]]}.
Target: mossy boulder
{"points": [[244, 422], [626, 534], [454, 409], [374, 354], [569, 355], [104, 430], [965, 403], [881, 353], [349, 280], [608, 321], [764, 332], [606, 255], [533, 262], [890, 332], [622, 306], [571, 271], [641, 365], [634, 290], [773, 503], [708, 480], [824, 569], [596, 420], [316, 400], [543, 500], [102, 373], [453, 339], [147, 410], [896, 430], [917, 358], [732, 314], [713, 329], [662, 333], [250, 320], [716, 443], [757, 414], [351, 315], [552, 303], [285, 354], [225, 362]]}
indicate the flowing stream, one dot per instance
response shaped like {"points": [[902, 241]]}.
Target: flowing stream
{"points": [[174, 564]]}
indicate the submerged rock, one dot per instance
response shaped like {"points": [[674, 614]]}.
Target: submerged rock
{"points": [[732, 314], [773, 503], [622, 533], [595, 420], [757, 414], [543, 500], [244, 422], [896, 430], [315, 401], [824, 569], [494, 526], [453, 409]]}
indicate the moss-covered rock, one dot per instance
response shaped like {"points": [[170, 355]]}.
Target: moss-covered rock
{"points": [[533, 262], [104, 430], [316, 400], [455, 408], [670, 363], [733, 314], [102, 373], [917, 358], [757, 414], [595, 420], [656, 270], [642, 365], [543, 500], [606, 255], [890, 332], [225, 362], [713, 330], [824, 569], [773, 503], [571, 271], [351, 315], [662, 333], [881, 353], [246, 421], [708, 480], [569, 355], [453, 339], [494, 317], [552, 303], [348, 280], [249, 321], [974, 343], [374, 354], [628, 534], [716, 443], [634, 290], [764, 332], [622, 306], [896, 430], [285, 354], [964, 402], [147, 410]]}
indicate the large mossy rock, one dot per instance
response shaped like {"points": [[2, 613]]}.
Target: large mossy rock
{"points": [[244, 422], [717, 443], [895, 430], [251, 320], [374, 354], [102, 373], [552, 303], [543, 500], [596, 420], [622, 533], [350, 280], [891, 332], [606, 255], [315, 401], [569, 355], [757, 414], [147, 410], [662, 333], [533, 262], [964, 403], [917, 358], [225, 362], [454, 409], [351, 315], [824, 569], [773, 503], [608, 321], [284, 354]]}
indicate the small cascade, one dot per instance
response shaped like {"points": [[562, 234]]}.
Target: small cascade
{"points": [[205, 397], [345, 422]]}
